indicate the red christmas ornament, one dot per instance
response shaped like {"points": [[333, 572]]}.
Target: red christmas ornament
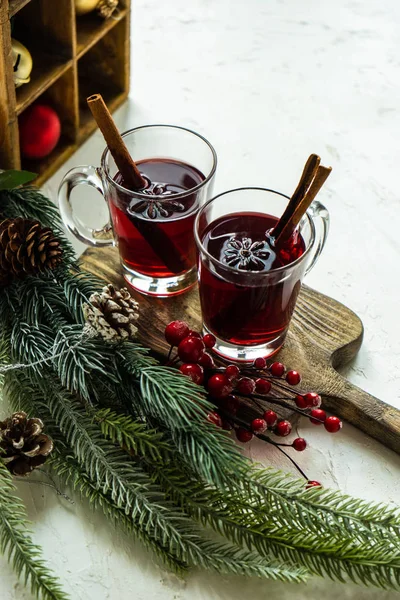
{"points": [[39, 131]]}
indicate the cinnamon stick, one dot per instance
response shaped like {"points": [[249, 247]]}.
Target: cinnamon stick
{"points": [[126, 166], [302, 205], [306, 178], [158, 240]]}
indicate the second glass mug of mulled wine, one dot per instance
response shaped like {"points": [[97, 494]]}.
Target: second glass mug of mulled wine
{"points": [[152, 227], [248, 288]]}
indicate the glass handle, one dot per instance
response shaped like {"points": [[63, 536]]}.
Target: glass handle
{"points": [[83, 176], [320, 217]]}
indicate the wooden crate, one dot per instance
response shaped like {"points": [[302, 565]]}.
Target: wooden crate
{"points": [[73, 57]]}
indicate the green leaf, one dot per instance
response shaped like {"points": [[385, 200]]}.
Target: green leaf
{"points": [[12, 179]]}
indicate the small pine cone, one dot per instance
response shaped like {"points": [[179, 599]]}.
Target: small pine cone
{"points": [[23, 445], [26, 248], [112, 314], [105, 8]]}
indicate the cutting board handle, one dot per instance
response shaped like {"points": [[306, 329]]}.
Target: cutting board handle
{"points": [[374, 417]]}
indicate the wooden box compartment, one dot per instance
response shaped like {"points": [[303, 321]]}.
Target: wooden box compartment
{"points": [[73, 56], [100, 72]]}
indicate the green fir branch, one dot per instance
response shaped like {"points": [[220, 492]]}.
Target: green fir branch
{"points": [[17, 545], [229, 515], [133, 491]]}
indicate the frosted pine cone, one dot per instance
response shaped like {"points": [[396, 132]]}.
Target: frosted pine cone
{"points": [[23, 445], [112, 314]]}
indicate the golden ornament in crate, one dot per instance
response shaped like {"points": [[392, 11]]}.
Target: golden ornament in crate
{"points": [[22, 63], [105, 8]]}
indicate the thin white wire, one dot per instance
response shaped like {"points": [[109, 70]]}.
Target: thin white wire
{"points": [[5, 368]]}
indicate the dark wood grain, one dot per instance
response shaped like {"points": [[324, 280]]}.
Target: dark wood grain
{"points": [[324, 335]]}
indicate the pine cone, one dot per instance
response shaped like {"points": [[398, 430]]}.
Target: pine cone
{"points": [[23, 446], [26, 248], [112, 314]]}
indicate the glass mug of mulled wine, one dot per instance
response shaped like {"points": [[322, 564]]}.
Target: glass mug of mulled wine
{"points": [[152, 227], [248, 287]]}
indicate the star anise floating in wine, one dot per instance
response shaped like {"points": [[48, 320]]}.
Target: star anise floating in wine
{"points": [[246, 254]]}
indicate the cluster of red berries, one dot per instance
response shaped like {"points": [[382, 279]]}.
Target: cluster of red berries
{"points": [[226, 384]]}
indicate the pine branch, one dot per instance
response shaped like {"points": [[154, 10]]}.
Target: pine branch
{"points": [[16, 543], [72, 473], [132, 490], [338, 557]]}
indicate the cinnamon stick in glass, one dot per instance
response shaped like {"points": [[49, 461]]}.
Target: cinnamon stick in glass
{"points": [[157, 239]]}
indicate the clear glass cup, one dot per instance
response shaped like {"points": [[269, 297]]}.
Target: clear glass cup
{"points": [[154, 233], [249, 311]]}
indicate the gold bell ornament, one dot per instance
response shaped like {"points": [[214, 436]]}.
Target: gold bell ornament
{"points": [[105, 8], [22, 63]]}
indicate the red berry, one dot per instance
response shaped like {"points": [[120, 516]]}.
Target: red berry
{"points": [[271, 418], [214, 417], [283, 428], [175, 332], [209, 340], [333, 424], [219, 386], [260, 363], [227, 425], [293, 377], [277, 369], [230, 404], [245, 386], [311, 484], [190, 349], [258, 425], [319, 416], [243, 435], [313, 399], [194, 371], [206, 361], [299, 444], [263, 386], [195, 334], [232, 371], [300, 401]]}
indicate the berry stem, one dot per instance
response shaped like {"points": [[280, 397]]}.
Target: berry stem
{"points": [[282, 402], [237, 421]]}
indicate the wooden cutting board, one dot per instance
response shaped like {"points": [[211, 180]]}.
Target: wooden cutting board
{"points": [[324, 335]]}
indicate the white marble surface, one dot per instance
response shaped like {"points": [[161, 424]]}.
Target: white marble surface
{"points": [[267, 82]]}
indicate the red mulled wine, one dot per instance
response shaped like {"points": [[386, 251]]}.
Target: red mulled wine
{"points": [[155, 236], [249, 308]]}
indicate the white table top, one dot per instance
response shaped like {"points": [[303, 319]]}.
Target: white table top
{"points": [[268, 82]]}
